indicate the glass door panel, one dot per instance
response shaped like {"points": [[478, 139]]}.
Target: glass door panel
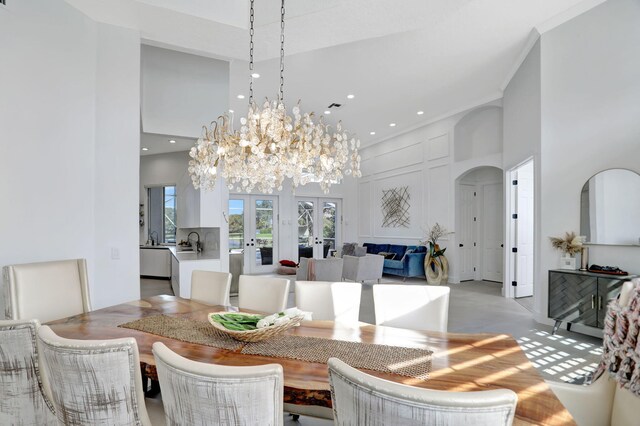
{"points": [[318, 227], [264, 214], [306, 213], [253, 231], [329, 226]]}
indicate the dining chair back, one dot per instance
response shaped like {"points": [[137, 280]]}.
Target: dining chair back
{"points": [[23, 400], [263, 294], [416, 307], [334, 301], [46, 290], [93, 382], [211, 287], [359, 398], [197, 393]]}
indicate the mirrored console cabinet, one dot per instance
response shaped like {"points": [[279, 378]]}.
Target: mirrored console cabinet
{"points": [[579, 297]]}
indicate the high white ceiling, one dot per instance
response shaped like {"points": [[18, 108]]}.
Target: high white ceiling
{"points": [[396, 57]]}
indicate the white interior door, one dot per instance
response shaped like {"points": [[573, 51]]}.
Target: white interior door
{"points": [[466, 236], [524, 197], [253, 230], [493, 229], [319, 226]]}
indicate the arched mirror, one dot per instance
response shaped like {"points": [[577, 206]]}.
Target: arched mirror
{"points": [[610, 208]]}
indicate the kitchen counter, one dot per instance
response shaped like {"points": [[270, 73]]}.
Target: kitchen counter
{"points": [[185, 256], [183, 263]]}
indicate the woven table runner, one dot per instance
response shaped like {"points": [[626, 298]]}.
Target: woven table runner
{"points": [[410, 362], [184, 329]]}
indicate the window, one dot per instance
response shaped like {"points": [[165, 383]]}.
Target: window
{"points": [[162, 214]]}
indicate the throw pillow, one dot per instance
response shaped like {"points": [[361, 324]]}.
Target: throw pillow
{"points": [[289, 263], [361, 251], [389, 256], [349, 249]]}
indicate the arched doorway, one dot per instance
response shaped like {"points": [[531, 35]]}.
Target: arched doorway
{"points": [[480, 217]]}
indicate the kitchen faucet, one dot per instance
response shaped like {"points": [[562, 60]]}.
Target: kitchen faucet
{"points": [[198, 246]]}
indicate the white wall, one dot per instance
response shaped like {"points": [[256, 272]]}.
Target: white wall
{"points": [[423, 159], [55, 98], [590, 109], [181, 92], [117, 141]]}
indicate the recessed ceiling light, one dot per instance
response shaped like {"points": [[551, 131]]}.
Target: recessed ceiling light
{"points": [[240, 96], [172, 141], [351, 96], [145, 149], [231, 111], [392, 124], [327, 112], [372, 133], [255, 75], [420, 112]]}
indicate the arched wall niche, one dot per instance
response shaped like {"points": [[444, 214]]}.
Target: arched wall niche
{"points": [[478, 134]]}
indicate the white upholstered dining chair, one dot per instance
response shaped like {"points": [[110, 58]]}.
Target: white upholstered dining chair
{"points": [[211, 287], [22, 400], [263, 294], [197, 393], [361, 399], [46, 290], [334, 301], [93, 382], [416, 307]]}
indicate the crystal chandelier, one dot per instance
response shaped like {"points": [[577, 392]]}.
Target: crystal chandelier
{"points": [[272, 145]]}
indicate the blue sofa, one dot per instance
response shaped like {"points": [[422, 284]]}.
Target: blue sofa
{"points": [[408, 261]]}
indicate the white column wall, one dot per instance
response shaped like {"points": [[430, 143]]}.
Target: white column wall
{"points": [[117, 150], [56, 173]]}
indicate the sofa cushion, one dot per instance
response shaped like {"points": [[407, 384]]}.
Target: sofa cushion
{"points": [[381, 247], [398, 250], [361, 251], [420, 249], [370, 247], [393, 264]]}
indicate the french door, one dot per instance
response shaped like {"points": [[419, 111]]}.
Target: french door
{"points": [[253, 230], [319, 226]]}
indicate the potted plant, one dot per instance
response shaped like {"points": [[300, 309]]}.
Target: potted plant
{"points": [[436, 266], [569, 245]]}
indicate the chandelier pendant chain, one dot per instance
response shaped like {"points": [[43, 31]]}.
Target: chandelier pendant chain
{"points": [[251, 32], [281, 52]]}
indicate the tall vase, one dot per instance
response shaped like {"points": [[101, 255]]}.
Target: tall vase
{"points": [[445, 268], [432, 269]]}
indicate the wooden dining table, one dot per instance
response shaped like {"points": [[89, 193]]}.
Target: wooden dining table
{"points": [[460, 362]]}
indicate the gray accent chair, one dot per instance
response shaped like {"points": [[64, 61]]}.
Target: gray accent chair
{"points": [[23, 401], [363, 268], [359, 398], [197, 393], [329, 269]]}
